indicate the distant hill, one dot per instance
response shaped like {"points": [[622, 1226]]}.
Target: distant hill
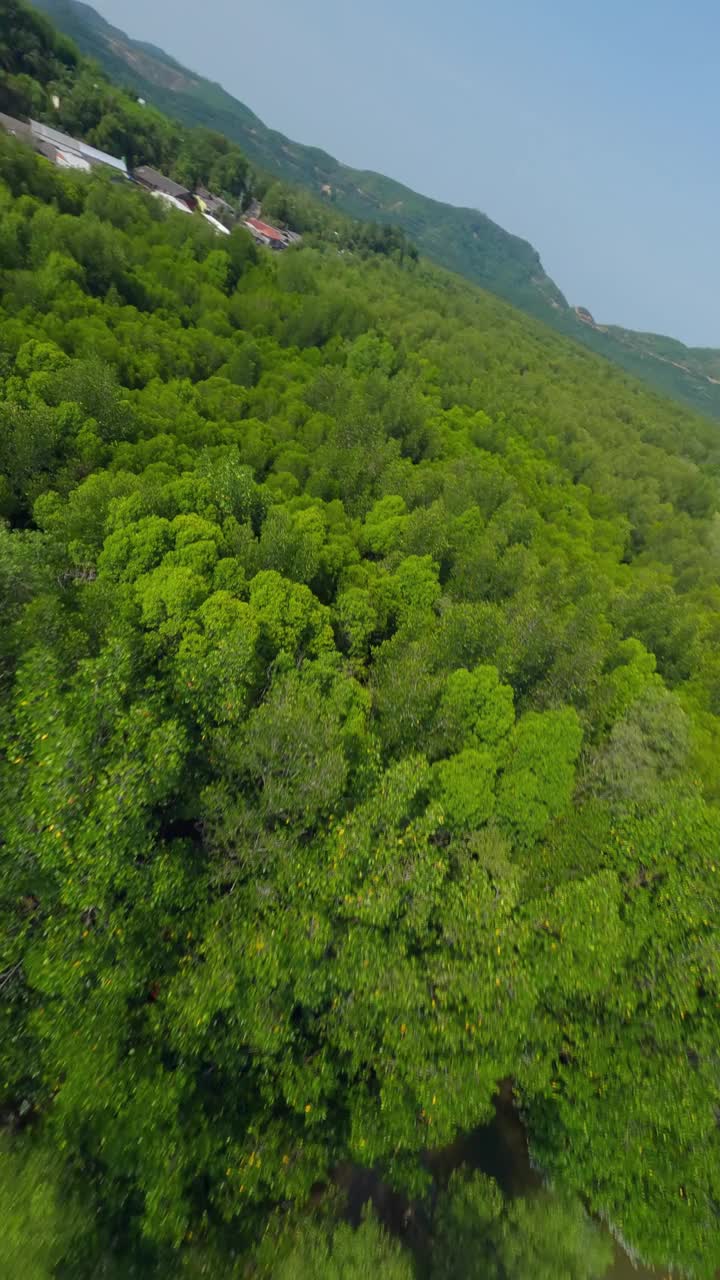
{"points": [[702, 362], [464, 240]]}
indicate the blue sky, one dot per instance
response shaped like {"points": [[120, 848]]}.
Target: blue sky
{"points": [[588, 126]]}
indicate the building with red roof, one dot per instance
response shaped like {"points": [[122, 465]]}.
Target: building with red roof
{"points": [[265, 233]]}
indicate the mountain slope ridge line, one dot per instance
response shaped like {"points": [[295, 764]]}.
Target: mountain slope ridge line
{"points": [[461, 238]]}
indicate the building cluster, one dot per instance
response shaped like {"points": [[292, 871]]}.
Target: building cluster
{"points": [[72, 153], [213, 208]]}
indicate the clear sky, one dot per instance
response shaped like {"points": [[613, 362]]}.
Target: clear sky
{"points": [[588, 126]]}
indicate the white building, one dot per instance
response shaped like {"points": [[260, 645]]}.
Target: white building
{"points": [[47, 138]]}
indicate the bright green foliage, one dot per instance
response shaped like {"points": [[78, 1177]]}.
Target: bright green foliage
{"points": [[217, 662], [415, 588], [537, 784], [465, 785], [359, 719], [356, 620], [475, 709], [384, 525], [290, 619], [371, 353]]}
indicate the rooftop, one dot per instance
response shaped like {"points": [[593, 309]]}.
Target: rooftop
{"points": [[263, 229], [157, 181], [44, 133], [212, 200], [20, 128]]}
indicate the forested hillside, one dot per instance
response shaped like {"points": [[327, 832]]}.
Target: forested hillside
{"points": [[464, 240], [41, 68], [359, 711], [703, 361], [359, 725]]}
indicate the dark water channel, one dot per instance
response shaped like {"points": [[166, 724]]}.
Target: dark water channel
{"points": [[500, 1150]]}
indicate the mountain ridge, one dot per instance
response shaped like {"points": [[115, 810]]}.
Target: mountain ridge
{"points": [[461, 238]]}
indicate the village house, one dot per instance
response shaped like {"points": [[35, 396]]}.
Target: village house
{"points": [[263, 233], [72, 152], [60, 148], [214, 205], [215, 223], [160, 185]]}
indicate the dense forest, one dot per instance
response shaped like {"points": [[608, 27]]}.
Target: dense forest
{"points": [[461, 239], [360, 716]]}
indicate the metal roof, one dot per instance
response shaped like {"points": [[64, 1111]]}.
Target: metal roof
{"points": [[45, 133], [263, 229], [173, 200], [214, 223], [71, 160], [159, 182], [20, 128]]}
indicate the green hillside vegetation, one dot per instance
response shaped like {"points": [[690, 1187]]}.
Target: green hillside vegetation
{"points": [[702, 361], [359, 728], [464, 240], [359, 710], [36, 63], [39, 64], [489, 254]]}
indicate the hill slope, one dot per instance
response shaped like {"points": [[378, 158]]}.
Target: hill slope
{"points": [[464, 240], [358, 690]]}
